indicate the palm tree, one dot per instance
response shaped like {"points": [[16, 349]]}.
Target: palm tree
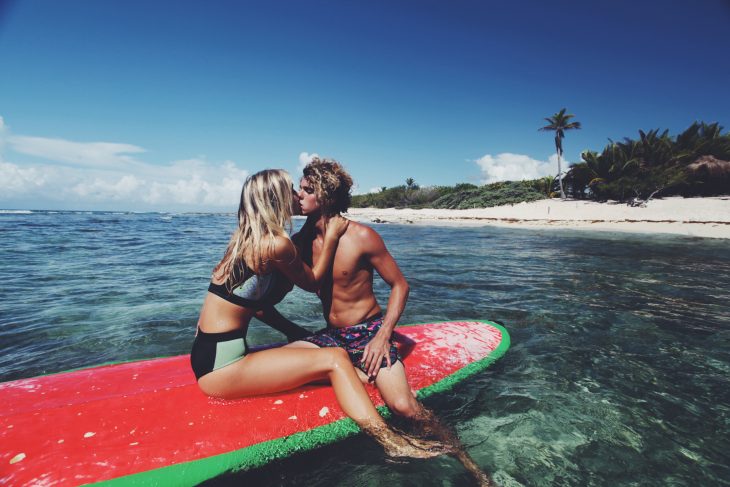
{"points": [[559, 123]]}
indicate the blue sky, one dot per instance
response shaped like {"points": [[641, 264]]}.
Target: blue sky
{"points": [[167, 105]]}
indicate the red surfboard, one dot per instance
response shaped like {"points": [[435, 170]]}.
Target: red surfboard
{"points": [[147, 423]]}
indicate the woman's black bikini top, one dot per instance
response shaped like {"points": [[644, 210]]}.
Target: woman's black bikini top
{"points": [[253, 290]]}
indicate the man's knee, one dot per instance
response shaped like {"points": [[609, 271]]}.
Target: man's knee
{"points": [[405, 405]]}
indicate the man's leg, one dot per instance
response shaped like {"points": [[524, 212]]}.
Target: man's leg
{"points": [[395, 391], [397, 394]]}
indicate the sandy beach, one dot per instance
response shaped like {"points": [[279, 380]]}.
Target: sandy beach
{"points": [[692, 217]]}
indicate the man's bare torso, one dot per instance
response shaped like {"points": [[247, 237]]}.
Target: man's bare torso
{"points": [[347, 292]]}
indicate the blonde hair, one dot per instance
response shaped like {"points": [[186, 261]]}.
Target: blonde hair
{"points": [[331, 185], [264, 213]]}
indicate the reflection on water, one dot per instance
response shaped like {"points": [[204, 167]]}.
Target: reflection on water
{"points": [[619, 372]]}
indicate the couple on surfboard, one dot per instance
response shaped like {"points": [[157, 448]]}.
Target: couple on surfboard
{"points": [[336, 259]]}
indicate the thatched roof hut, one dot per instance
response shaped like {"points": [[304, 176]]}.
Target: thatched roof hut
{"points": [[710, 166]]}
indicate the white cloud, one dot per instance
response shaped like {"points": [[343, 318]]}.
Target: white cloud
{"points": [[102, 176], [304, 159], [196, 182], [516, 167], [16, 180], [212, 186], [107, 189], [87, 154], [564, 164]]}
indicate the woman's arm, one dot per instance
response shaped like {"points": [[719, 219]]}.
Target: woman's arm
{"points": [[287, 260], [275, 320]]}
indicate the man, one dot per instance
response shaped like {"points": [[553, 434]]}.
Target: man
{"points": [[354, 318]]}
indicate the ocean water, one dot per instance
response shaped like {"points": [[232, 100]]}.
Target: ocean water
{"points": [[618, 374]]}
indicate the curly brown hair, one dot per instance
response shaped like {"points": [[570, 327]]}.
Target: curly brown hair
{"points": [[331, 185]]}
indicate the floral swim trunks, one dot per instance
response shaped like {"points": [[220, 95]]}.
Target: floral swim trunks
{"points": [[353, 339]]}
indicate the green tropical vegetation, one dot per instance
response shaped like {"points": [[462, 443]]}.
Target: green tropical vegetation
{"points": [[461, 196], [559, 123], [695, 162]]}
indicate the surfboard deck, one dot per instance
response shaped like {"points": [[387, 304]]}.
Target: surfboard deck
{"points": [[147, 422]]}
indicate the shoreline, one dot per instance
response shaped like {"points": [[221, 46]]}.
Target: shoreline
{"points": [[707, 217]]}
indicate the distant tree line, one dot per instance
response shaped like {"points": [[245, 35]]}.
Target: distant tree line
{"points": [[461, 196], [694, 163]]}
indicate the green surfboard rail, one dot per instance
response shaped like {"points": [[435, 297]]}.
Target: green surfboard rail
{"points": [[254, 456]]}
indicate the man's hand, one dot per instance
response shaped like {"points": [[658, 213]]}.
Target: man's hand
{"points": [[377, 349]]}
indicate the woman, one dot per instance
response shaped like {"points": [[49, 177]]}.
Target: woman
{"points": [[252, 276]]}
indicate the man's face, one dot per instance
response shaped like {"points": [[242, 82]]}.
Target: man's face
{"points": [[307, 198], [296, 207]]}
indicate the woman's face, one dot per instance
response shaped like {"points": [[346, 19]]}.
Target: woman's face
{"points": [[307, 198]]}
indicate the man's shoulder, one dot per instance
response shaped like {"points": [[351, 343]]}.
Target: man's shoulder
{"points": [[363, 236], [360, 230]]}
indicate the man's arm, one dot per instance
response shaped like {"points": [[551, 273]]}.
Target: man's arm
{"points": [[381, 260]]}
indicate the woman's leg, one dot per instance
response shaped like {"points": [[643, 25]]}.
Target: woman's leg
{"points": [[282, 369]]}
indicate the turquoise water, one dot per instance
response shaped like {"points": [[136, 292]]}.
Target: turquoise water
{"points": [[619, 371]]}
